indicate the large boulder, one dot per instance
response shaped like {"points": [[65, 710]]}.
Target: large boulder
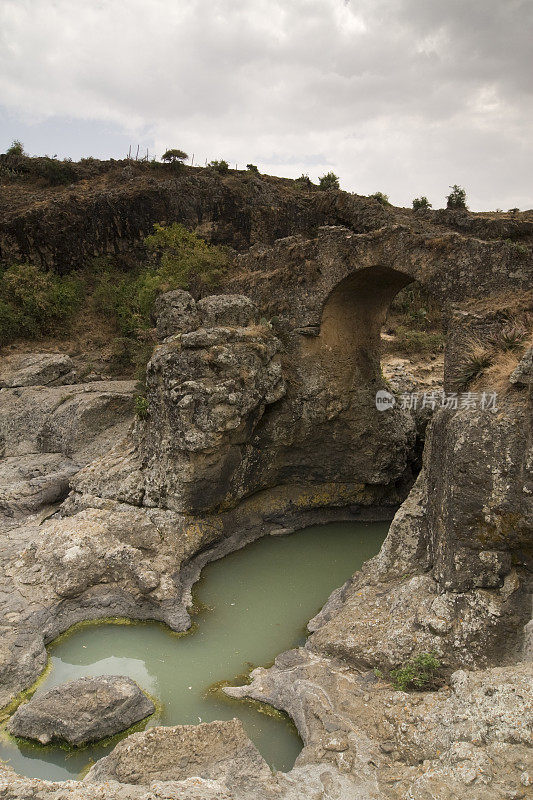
{"points": [[82, 711], [454, 573]]}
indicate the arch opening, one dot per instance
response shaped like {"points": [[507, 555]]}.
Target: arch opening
{"points": [[348, 344]]}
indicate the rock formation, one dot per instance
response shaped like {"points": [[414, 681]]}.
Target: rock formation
{"points": [[82, 711], [261, 417]]}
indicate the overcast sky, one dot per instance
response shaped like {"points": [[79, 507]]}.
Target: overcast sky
{"points": [[402, 96]]}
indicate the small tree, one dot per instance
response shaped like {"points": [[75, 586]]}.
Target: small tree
{"points": [[252, 168], [174, 156], [304, 181], [219, 165], [329, 181], [457, 197], [421, 203], [381, 198], [16, 149]]}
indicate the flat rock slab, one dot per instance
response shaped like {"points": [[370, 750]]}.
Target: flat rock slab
{"points": [[82, 711], [35, 369], [212, 750]]}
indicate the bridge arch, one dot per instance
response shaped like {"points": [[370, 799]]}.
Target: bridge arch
{"points": [[347, 347]]}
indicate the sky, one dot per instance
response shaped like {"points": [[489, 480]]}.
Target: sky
{"points": [[406, 97]]}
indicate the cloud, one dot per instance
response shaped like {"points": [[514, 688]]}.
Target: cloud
{"points": [[404, 96]]}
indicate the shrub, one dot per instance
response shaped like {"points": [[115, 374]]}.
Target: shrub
{"points": [[304, 181], [328, 181], [519, 248], [16, 149], [456, 198], [219, 166], [420, 674], [141, 406], [177, 259], [381, 198], [35, 303], [252, 168], [514, 210], [174, 156], [421, 203], [184, 260], [54, 171]]}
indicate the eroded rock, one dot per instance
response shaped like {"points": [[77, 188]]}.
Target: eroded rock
{"points": [[211, 750]]}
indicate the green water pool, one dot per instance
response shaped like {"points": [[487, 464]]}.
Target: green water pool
{"points": [[257, 602]]}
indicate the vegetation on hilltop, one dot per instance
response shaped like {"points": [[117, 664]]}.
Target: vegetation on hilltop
{"points": [[328, 181], [174, 156], [456, 198], [421, 203], [381, 198]]}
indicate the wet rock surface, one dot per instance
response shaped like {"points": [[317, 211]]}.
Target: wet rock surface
{"points": [[82, 711]]}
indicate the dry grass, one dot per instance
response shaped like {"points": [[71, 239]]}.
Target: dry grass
{"points": [[512, 304], [495, 376]]}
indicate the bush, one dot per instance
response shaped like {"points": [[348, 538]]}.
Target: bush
{"points": [[219, 166], [177, 259], [381, 198], [328, 181], [252, 168], [457, 197], [35, 303], [174, 156], [54, 171], [519, 248], [421, 203], [420, 674], [16, 149], [304, 181]]}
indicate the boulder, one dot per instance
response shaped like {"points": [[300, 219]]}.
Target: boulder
{"points": [[82, 711], [227, 309], [175, 312], [77, 419]]}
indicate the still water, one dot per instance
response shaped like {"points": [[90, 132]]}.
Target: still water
{"points": [[257, 602]]}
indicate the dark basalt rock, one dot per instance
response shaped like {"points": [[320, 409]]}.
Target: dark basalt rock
{"points": [[82, 711]]}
